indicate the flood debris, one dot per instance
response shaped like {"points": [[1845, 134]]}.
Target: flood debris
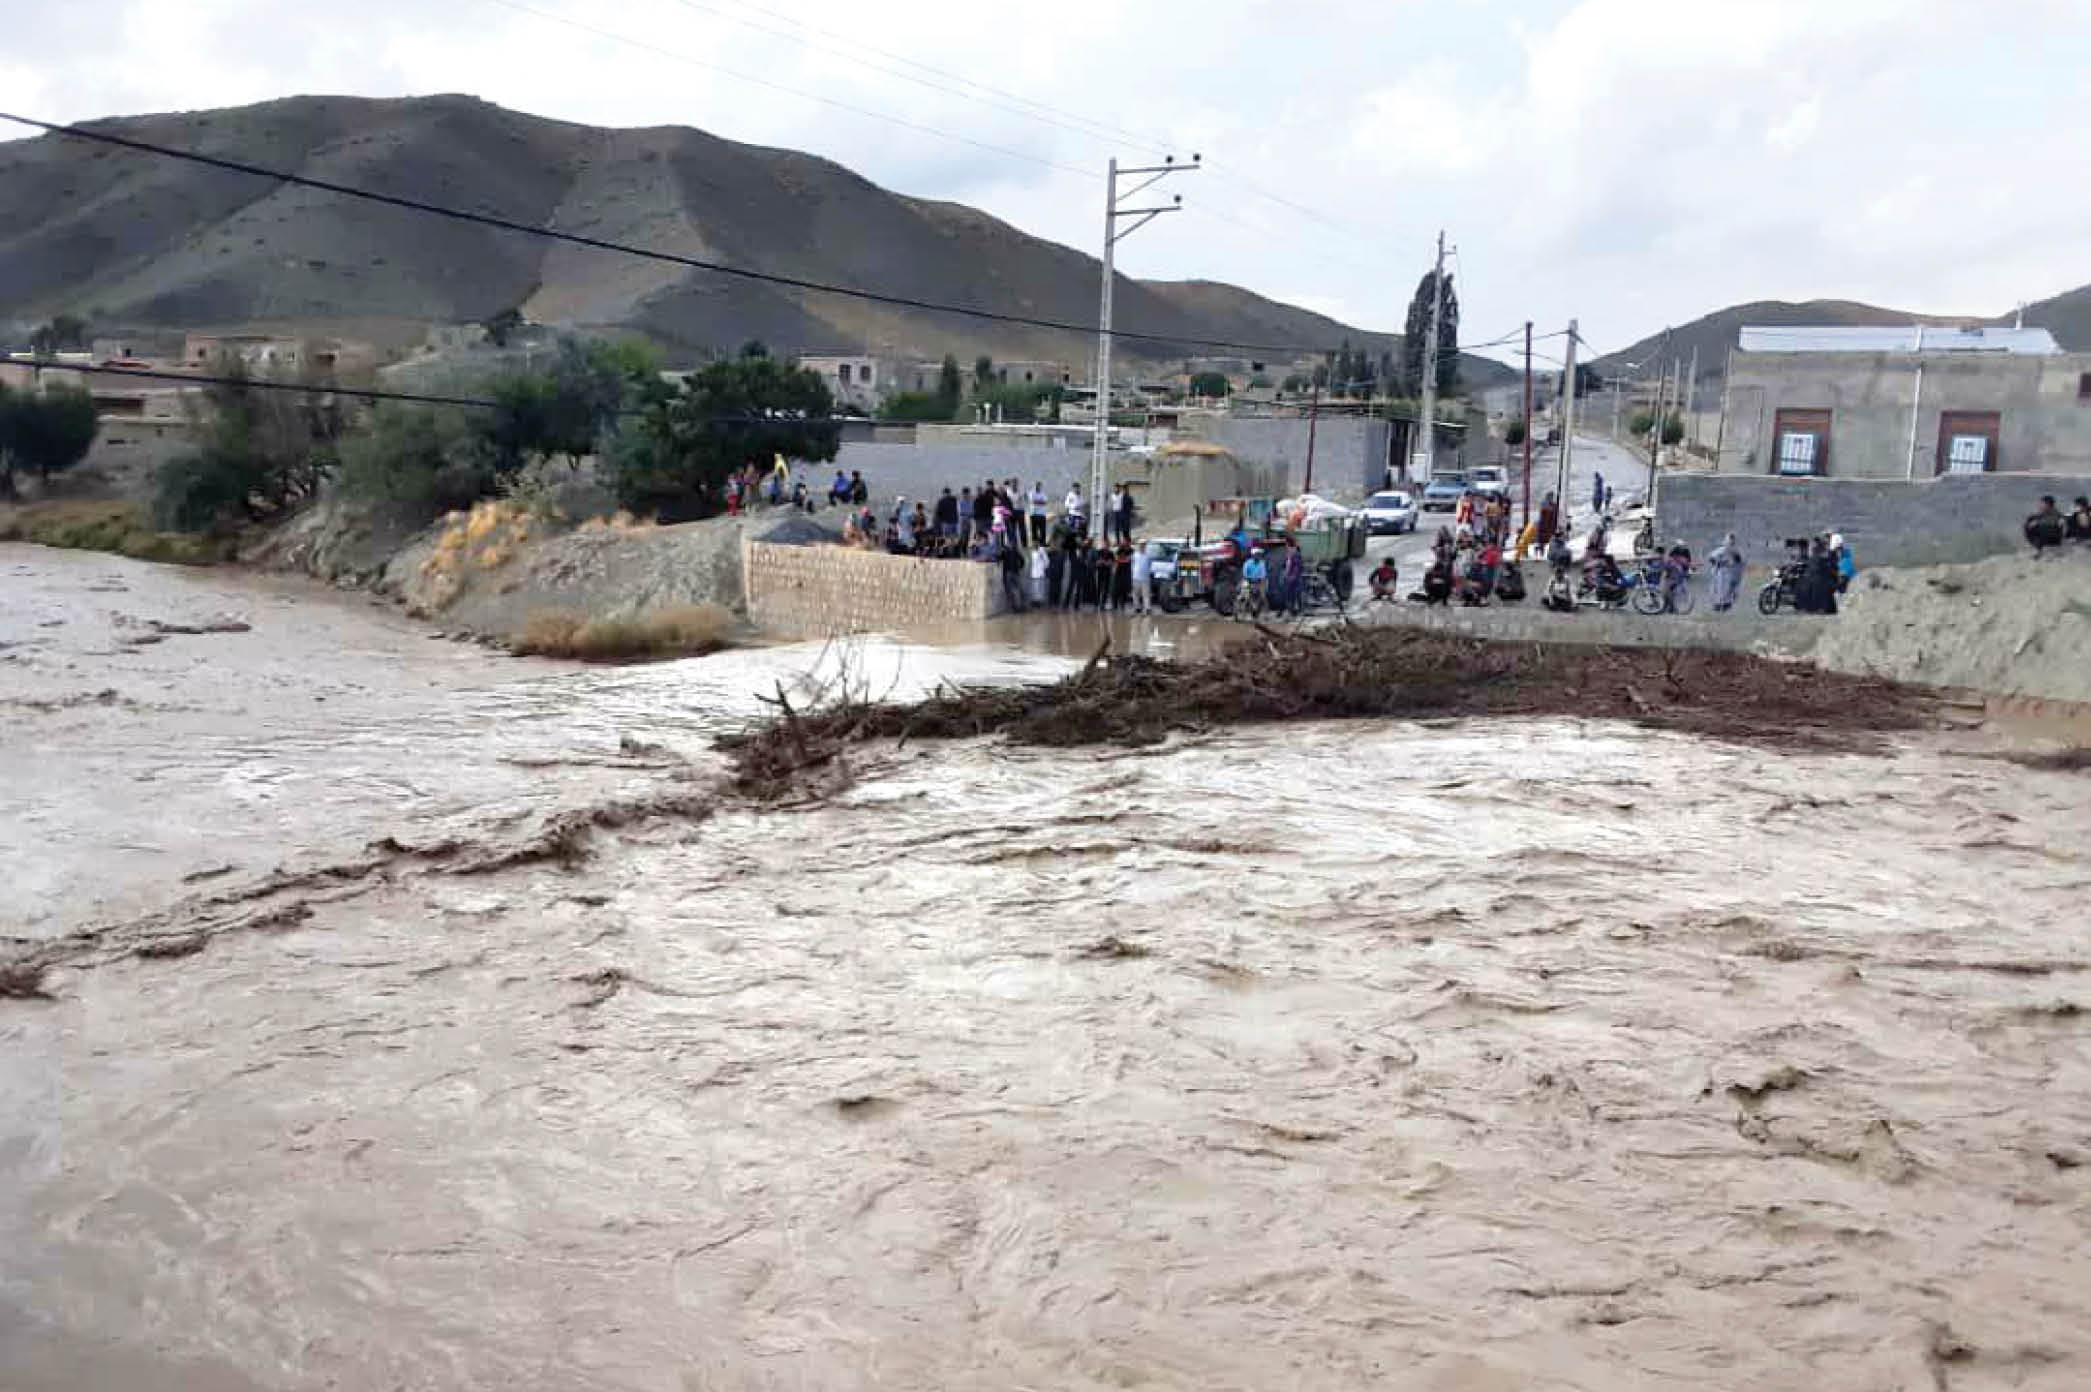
{"points": [[23, 981], [1349, 672], [2076, 760]]}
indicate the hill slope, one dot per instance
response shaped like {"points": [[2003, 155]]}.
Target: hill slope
{"points": [[2067, 316], [123, 237]]}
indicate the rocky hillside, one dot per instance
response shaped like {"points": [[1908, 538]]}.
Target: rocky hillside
{"points": [[123, 237]]}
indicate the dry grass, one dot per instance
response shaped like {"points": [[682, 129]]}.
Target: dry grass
{"points": [[108, 525], [683, 630]]}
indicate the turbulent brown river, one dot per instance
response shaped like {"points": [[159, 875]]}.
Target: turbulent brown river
{"points": [[1509, 1055]]}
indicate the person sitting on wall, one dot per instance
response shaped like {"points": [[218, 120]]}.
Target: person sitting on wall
{"points": [[2079, 524], [2046, 528]]}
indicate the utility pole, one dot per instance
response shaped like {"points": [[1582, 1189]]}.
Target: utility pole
{"points": [[1313, 418], [1099, 463], [1568, 411], [1691, 400], [1424, 446], [1528, 421]]}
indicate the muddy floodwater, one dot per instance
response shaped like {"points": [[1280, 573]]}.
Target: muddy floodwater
{"points": [[419, 1018]]}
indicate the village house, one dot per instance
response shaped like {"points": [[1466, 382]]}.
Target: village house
{"points": [[1904, 403]]}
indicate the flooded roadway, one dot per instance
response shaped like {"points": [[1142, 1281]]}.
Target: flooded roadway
{"points": [[1474, 1056]]}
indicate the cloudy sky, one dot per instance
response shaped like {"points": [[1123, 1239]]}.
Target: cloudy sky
{"points": [[1634, 163]]}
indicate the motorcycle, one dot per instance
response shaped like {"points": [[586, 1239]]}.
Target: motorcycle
{"points": [[1663, 586], [1783, 589]]}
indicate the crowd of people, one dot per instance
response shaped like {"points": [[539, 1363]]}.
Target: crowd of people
{"points": [[1044, 558], [2049, 527]]}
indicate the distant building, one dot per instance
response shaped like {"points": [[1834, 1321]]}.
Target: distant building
{"points": [[856, 379], [1874, 403], [275, 355]]}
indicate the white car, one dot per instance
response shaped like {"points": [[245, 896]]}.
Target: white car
{"points": [[1488, 479], [1393, 511]]}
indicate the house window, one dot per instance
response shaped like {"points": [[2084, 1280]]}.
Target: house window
{"points": [[842, 374], [1801, 443], [864, 374], [2083, 387], [1968, 441]]}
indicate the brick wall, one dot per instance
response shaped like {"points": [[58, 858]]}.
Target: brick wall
{"points": [[1935, 521], [813, 591]]}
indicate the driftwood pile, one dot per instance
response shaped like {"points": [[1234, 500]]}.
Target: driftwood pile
{"points": [[1347, 673]]}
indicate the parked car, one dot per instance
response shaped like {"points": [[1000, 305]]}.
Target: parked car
{"points": [[1162, 557], [1488, 478], [1442, 493], [1393, 512]]}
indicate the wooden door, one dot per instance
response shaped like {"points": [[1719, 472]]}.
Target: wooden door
{"points": [[1968, 442], [1801, 443]]}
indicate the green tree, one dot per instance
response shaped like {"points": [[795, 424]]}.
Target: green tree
{"points": [[423, 460], [983, 373], [1015, 402], [1294, 384], [755, 348], [1673, 429], [48, 432], [1417, 331], [1364, 383], [674, 460], [1514, 433], [920, 407], [951, 387], [1210, 384], [563, 410], [260, 452], [63, 334], [1321, 375]]}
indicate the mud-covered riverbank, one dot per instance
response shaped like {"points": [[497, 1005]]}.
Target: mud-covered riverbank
{"points": [[1461, 1054]]}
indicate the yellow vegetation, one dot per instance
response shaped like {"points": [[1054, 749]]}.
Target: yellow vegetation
{"points": [[683, 630]]}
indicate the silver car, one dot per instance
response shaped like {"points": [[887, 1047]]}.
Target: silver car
{"points": [[1393, 512]]}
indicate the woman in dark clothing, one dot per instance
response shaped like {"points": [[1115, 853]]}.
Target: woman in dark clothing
{"points": [[1078, 582], [1056, 574], [1122, 578], [1818, 589], [1106, 573]]}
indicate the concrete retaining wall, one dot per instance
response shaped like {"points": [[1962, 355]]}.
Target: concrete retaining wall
{"points": [[924, 471], [1938, 521], [816, 591]]}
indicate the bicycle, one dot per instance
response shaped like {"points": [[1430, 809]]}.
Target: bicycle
{"points": [[1665, 587]]}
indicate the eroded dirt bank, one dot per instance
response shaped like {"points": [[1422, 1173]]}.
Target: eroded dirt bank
{"points": [[1465, 1054]]}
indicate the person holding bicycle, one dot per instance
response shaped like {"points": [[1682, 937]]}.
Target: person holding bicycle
{"points": [[1255, 582]]}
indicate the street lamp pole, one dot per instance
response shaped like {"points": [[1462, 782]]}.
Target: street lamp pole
{"points": [[1113, 234]]}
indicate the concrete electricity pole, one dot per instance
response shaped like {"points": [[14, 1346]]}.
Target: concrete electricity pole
{"points": [[1424, 447], [1568, 412], [1528, 422], [1691, 401], [1099, 481]]}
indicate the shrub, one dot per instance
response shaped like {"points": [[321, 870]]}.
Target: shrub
{"points": [[684, 630]]}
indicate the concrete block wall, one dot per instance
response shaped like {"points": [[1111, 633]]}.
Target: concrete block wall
{"points": [[924, 471], [817, 591], [1936, 521]]}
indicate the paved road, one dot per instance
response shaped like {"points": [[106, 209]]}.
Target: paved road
{"points": [[1625, 475]]}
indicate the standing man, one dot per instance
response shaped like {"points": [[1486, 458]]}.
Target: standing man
{"points": [[1597, 492], [1143, 579], [1038, 512], [1125, 514], [983, 510], [1074, 509]]}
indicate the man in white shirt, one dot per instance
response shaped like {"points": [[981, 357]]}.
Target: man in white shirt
{"points": [[1143, 578], [1073, 506]]}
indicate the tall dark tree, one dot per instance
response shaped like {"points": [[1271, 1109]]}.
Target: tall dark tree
{"points": [[951, 388], [64, 334], [47, 432], [983, 372], [1417, 332], [673, 462]]}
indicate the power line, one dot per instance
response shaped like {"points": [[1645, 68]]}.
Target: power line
{"points": [[668, 257], [836, 102], [856, 54]]}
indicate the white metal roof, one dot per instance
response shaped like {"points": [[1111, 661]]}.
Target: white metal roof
{"points": [[1804, 338]]}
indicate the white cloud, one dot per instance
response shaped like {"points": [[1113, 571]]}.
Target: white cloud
{"points": [[1630, 162]]}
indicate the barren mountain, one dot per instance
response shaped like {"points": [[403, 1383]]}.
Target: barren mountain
{"points": [[2067, 316], [127, 237]]}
